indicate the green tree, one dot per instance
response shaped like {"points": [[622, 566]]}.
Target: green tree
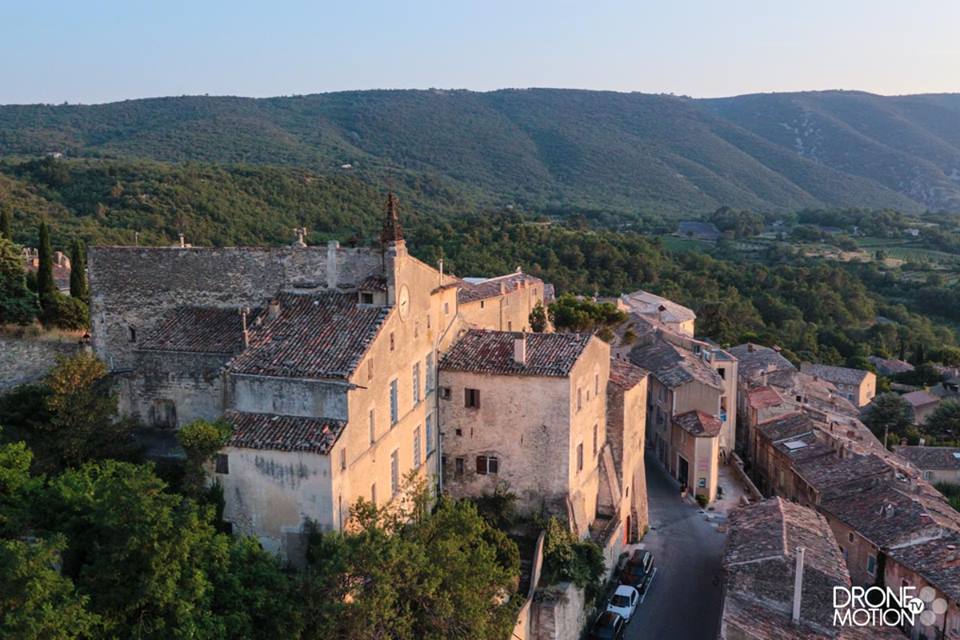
{"points": [[35, 600], [944, 422], [570, 313], [201, 440], [538, 318], [18, 489], [6, 224], [83, 422], [567, 559], [18, 305], [145, 556], [46, 287], [78, 273], [888, 414], [407, 572]]}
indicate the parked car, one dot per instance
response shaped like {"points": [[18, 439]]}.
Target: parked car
{"points": [[624, 601], [637, 569], [607, 626]]}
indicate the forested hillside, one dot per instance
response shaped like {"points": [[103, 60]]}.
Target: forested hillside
{"points": [[630, 153]]}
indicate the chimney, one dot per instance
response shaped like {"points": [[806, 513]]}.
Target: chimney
{"points": [[440, 269], [243, 321], [274, 309], [660, 311], [520, 348], [183, 241], [750, 347], [798, 586]]}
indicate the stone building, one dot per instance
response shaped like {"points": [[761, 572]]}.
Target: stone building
{"points": [[528, 411], [761, 565], [503, 303], [323, 359], [856, 385], [626, 436], [936, 464]]}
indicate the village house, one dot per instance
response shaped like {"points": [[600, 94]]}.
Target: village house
{"points": [[933, 564], [626, 435], [60, 267], [856, 385], [660, 311], [681, 382], [890, 366], [502, 303], [768, 544], [697, 230], [324, 361], [936, 464], [922, 405]]}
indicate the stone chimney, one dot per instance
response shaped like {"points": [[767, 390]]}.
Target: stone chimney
{"points": [[392, 231], [520, 348], [798, 586], [274, 309], [301, 234], [183, 241]]}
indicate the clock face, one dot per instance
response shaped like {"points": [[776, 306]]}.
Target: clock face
{"points": [[403, 302]]}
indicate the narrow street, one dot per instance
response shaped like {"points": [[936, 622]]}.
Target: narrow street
{"points": [[684, 600]]}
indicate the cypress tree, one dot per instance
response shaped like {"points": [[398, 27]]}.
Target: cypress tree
{"points": [[78, 272], [6, 224], [46, 287]]}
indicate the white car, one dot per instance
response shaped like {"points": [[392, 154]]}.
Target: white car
{"points": [[624, 601]]}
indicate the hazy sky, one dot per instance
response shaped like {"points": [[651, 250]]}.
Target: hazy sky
{"points": [[97, 51]]}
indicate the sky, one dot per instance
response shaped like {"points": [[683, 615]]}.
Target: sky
{"points": [[95, 51]]}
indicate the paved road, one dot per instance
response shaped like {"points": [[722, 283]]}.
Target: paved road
{"points": [[683, 602]]}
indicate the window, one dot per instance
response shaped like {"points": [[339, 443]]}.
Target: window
{"points": [[723, 373], [394, 474], [446, 308], [579, 399], [343, 459], [416, 447], [366, 298], [509, 325], [370, 369], [222, 463], [580, 457], [392, 342], [431, 375], [850, 536], [458, 464], [872, 564], [481, 304], [373, 493], [430, 436], [133, 334], [373, 427], [488, 465], [444, 393], [394, 410], [596, 384], [471, 398], [595, 430], [416, 384]]}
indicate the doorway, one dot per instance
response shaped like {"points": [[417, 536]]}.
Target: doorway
{"points": [[683, 470]]}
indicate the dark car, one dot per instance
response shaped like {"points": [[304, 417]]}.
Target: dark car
{"points": [[636, 572], [607, 626]]}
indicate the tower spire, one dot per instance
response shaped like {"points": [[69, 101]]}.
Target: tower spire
{"points": [[392, 231]]}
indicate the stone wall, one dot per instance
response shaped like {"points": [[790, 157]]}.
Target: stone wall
{"points": [[23, 360], [132, 287], [168, 390], [560, 613]]}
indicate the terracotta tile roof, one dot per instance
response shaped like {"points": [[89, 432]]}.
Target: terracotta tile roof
{"points": [[548, 354], [937, 560], [931, 458], [755, 360], [492, 287], [786, 426], [626, 375], [674, 366], [373, 283], [920, 398], [836, 375], [648, 304], [889, 515], [320, 335], [889, 367], [698, 424], [759, 566], [199, 330], [763, 398], [283, 433], [826, 473]]}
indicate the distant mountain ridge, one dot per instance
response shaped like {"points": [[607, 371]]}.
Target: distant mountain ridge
{"points": [[626, 152]]}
